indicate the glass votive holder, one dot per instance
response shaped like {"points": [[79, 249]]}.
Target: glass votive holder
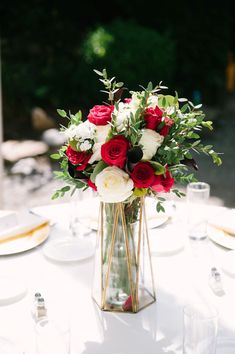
{"points": [[200, 329], [52, 336], [197, 199]]}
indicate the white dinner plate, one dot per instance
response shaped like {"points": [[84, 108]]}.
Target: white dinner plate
{"points": [[166, 242], [30, 232], [221, 238], [11, 290]]}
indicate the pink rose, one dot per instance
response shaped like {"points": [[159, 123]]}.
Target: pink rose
{"points": [[100, 115]]}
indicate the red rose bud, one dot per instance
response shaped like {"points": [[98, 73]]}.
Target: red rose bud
{"points": [[91, 184], [153, 117], [164, 131], [114, 152], [163, 183], [100, 115], [127, 100], [79, 158], [168, 123], [143, 175], [127, 306]]}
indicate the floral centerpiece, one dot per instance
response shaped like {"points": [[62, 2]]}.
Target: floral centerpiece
{"points": [[126, 150]]}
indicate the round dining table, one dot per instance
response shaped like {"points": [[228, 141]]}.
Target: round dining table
{"points": [[181, 277]]}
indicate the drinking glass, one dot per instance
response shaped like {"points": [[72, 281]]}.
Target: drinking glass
{"points": [[200, 329], [197, 198], [77, 243], [52, 336]]}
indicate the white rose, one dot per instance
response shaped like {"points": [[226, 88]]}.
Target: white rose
{"points": [[101, 133], [152, 101], [70, 132], [113, 185], [123, 114], [135, 101], [86, 145], [85, 130], [96, 156], [150, 140], [170, 110]]}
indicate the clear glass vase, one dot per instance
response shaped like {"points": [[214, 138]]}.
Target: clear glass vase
{"points": [[123, 276]]}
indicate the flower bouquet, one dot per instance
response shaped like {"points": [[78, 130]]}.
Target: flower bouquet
{"points": [[126, 150]]}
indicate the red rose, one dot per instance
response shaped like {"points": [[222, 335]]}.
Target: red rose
{"points": [[153, 117], [115, 150], [100, 115], [127, 100], [168, 123], [91, 184], [127, 306], [78, 158], [143, 175], [163, 183]]}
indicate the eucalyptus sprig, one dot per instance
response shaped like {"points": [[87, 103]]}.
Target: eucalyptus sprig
{"points": [[111, 85]]}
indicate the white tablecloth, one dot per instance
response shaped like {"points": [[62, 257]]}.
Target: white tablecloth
{"points": [[179, 278]]}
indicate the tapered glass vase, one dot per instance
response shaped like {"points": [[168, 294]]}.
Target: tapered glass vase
{"points": [[123, 274]]}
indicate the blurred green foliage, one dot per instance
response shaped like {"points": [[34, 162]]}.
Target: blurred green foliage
{"points": [[50, 48], [132, 53]]}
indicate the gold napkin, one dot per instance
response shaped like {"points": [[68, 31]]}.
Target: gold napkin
{"points": [[225, 221]]}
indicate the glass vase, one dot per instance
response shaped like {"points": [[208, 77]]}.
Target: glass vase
{"points": [[123, 275]]}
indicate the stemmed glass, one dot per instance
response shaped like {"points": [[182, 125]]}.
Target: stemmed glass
{"points": [[78, 243]]}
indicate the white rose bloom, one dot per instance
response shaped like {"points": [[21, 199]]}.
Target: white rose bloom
{"points": [[85, 130], [70, 132], [86, 145], [102, 132], [150, 140], [123, 115], [170, 110], [114, 185], [152, 101], [96, 153], [135, 101]]}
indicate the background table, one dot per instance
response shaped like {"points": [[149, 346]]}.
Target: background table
{"points": [[180, 278]]}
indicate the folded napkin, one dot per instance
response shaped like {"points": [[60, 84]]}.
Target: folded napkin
{"points": [[224, 221], [24, 226]]}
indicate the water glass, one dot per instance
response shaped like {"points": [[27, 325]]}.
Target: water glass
{"points": [[197, 198], [52, 336], [200, 329]]}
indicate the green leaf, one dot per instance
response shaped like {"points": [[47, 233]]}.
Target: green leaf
{"points": [[55, 195], [178, 193], [65, 189], [150, 86], [98, 168], [184, 108], [159, 207], [158, 168], [161, 199], [98, 72], [62, 113], [208, 124], [119, 84], [104, 74], [166, 101], [55, 156], [140, 192]]}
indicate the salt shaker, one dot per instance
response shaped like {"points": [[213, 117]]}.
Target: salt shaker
{"points": [[41, 310]]}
